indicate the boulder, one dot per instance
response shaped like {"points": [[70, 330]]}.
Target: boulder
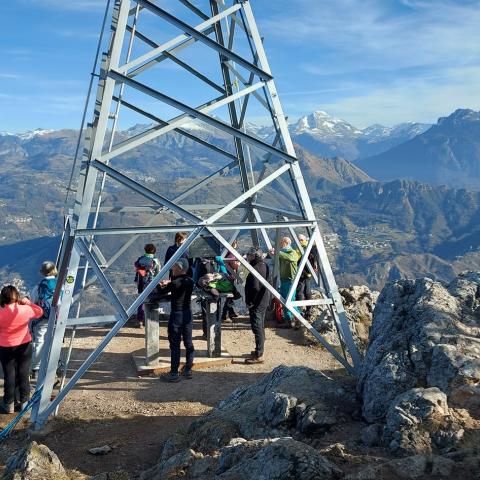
{"points": [[275, 459], [262, 430], [34, 462], [359, 303], [408, 468], [424, 334], [419, 420], [372, 435]]}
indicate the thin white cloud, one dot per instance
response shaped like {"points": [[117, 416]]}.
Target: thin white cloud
{"points": [[368, 34], [76, 34], [10, 75], [69, 4], [412, 99]]}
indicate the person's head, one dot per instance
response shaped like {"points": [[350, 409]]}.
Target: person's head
{"points": [[48, 269], [303, 240], [150, 248], [254, 253], [180, 267], [285, 242], [234, 244], [180, 238], [8, 295]]}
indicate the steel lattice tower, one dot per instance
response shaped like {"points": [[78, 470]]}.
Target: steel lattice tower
{"points": [[229, 77]]}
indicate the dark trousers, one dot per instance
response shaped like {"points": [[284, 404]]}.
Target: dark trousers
{"points": [[204, 306], [180, 326], [257, 320], [228, 308], [141, 308], [304, 291], [16, 368]]}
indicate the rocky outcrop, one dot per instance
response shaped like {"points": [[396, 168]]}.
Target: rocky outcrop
{"points": [[408, 468], [34, 462], [264, 430], [275, 459], [419, 419], [424, 334], [359, 303]]}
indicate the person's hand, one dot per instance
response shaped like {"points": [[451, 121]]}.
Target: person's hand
{"points": [[24, 301], [272, 251]]}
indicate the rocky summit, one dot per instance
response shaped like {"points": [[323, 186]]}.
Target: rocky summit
{"points": [[424, 334], [412, 413]]}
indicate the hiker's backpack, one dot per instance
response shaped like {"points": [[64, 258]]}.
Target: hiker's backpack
{"points": [[201, 267], [278, 310], [145, 267], [45, 295]]}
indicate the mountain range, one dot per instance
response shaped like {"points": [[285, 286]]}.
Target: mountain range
{"points": [[446, 154], [378, 226], [328, 136]]}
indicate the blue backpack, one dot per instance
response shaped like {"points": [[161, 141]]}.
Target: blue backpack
{"points": [[45, 295], [145, 267]]}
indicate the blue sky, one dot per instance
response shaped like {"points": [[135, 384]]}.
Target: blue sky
{"points": [[367, 61]]}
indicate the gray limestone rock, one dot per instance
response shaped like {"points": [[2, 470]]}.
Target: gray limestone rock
{"points": [[418, 420], [372, 435], [359, 303], [276, 408], [276, 459], [424, 334], [34, 462], [408, 468], [292, 405]]}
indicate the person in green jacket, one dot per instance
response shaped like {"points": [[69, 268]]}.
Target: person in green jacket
{"points": [[288, 266]]}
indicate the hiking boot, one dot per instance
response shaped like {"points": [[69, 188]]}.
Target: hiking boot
{"points": [[7, 408], [20, 406], [188, 374], [233, 315], [254, 359], [170, 377]]}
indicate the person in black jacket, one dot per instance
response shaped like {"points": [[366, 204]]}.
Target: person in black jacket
{"points": [[256, 298], [180, 323]]}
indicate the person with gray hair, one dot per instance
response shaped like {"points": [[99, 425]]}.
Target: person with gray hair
{"points": [[288, 265], [256, 298], [180, 323], [42, 295]]}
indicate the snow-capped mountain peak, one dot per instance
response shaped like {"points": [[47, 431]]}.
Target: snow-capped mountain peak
{"points": [[320, 124], [33, 133], [407, 130]]}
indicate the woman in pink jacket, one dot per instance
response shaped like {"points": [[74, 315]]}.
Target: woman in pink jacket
{"points": [[15, 345]]}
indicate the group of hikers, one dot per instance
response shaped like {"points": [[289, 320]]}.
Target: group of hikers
{"points": [[23, 325], [24, 321], [185, 274]]}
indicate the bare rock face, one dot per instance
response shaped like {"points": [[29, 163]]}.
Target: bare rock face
{"points": [[359, 302], [262, 431], [34, 462], [408, 468], [419, 419], [282, 458], [424, 334]]}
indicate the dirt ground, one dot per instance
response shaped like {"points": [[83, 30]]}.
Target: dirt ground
{"points": [[135, 415]]}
